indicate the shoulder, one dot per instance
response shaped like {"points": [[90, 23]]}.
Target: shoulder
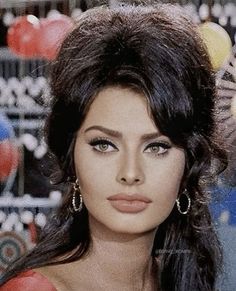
{"points": [[28, 281]]}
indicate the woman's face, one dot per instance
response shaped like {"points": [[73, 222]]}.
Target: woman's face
{"points": [[119, 153]]}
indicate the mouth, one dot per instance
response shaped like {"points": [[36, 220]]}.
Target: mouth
{"points": [[129, 203]]}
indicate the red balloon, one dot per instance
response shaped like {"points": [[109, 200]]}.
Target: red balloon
{"points": [[22, 36], [9, 159], [52, 33]]}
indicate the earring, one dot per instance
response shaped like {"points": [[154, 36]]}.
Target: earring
{"points": [[76, 191], [178, 203]]}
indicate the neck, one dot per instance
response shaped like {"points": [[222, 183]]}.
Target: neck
{"points": [[124, 260]]}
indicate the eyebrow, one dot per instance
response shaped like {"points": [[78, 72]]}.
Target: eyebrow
{"points": [[118, 134]]}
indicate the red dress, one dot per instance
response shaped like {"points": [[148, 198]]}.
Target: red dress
{"points": [[28, 281]]}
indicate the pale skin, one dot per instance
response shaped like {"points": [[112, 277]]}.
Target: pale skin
{"points": [[119, 257]]}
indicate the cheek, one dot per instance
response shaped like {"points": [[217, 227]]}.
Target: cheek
{"points": [[167, 173], [94, 174], [169, 180], [165, 191], [167, 183]]}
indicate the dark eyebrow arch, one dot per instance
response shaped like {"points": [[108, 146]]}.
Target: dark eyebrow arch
{"points": [[117, 134]]}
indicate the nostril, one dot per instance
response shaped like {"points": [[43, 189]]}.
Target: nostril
{"points": [[130, 180]]}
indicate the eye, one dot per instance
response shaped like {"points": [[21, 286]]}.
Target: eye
{"points": [[158, 148], [102, 145]]}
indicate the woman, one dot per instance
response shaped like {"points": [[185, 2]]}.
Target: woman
{"points": [[132, 128]]}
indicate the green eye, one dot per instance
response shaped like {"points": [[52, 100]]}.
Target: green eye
{"points": [[102, 145], [159, 148]]}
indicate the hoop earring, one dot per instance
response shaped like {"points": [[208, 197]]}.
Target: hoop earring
{"points": [[178, 203], [76, 191]]}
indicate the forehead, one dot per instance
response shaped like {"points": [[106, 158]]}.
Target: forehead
{"points": [[116, 107]]}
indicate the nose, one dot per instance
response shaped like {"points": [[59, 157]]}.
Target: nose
{"points": [[130, 170]]}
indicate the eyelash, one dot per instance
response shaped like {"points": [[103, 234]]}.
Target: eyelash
{"points": [[98, 141]]}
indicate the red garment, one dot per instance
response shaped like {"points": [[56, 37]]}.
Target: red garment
{"points": [[28, 281]]}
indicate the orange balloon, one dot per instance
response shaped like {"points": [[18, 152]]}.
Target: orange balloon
{"points": [[52, 33], [22, 36], [9, 159], [218, 43]]}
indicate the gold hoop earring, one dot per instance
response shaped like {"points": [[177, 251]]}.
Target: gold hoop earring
{"points": [[178, 203], [76, 191]]}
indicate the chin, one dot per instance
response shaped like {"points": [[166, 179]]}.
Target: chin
{"points": [[131, 228], [123, 224]]}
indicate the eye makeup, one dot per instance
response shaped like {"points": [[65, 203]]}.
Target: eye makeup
{"points": [[164, 145], [97, 142]]}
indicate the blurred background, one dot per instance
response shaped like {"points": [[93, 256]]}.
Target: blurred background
{"points": [[30, 35]]}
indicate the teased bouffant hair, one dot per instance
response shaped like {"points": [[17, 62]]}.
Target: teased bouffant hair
{"points": [[157, 51]]}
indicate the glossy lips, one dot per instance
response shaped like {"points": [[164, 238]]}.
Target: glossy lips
{"points": [[129, 203]]}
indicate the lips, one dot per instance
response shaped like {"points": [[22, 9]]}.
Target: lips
{"points": [[129, 197], [129, 203]]}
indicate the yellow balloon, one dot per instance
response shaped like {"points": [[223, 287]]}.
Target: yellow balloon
{"points": [[233, 106], [218, 43]]}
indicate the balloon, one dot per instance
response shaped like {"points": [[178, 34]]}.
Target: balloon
{"points": [[22, 36], [52, 32], [218, 43], [9, 159], [6, 129], [53, 13], [76, 13], [9, 155]]}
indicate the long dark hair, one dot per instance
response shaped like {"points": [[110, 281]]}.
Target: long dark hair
{"points": [[158, 51]]}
